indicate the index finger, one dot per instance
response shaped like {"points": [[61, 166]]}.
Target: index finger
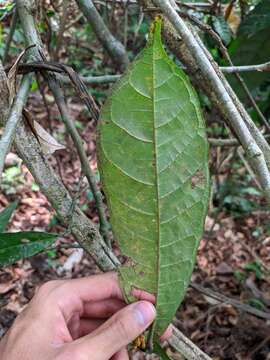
{"points": [[95, 287]]}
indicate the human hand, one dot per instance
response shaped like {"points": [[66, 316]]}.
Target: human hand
{"points": [[78, 319]]}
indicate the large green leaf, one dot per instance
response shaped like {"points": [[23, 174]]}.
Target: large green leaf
{"points": [[153, 158], [6, 214], [252, 46], [20, 245]]}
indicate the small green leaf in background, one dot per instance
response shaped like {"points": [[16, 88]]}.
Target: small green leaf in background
{"points": [[252, 46], [256, 268], [222, 28], [153, 162], [20, 245], [6, 214], [34, 85]]}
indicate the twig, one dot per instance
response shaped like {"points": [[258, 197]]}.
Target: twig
{"points": [[252, 149], [62, 26], [4, 98], [58, 68], [13, 119], [228, 142], [235, 303], [223, 142], [186, 347], [126, 24], [223, 49], [248, 168], [246, 68], [92, 80], [113, 46], [137, 29], [10, 35], [49, 122], [251, 100], [60, 100], [25, 12]]}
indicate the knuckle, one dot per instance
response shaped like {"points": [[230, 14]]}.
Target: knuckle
{"points": [[122, 328], [47, 290], [47, 287]]}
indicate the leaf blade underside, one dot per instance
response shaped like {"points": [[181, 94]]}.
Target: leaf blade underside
{"points": [[153, 159]]}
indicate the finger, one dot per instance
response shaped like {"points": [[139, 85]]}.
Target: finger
{"points": [[102, 309], [167, 333], [143, 295], [95, 288], [87, 326], [71, 295], [117, 332], [121, 355]]}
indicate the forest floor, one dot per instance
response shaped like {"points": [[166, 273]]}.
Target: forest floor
{"points": [[233, 258]]}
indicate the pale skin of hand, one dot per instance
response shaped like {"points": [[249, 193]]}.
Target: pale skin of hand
{"points": [[78, 319]]}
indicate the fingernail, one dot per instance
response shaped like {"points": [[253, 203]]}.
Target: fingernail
{"points": [[145, 313]]}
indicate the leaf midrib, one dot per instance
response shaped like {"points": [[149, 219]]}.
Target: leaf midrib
{"points": [[156, 181]]}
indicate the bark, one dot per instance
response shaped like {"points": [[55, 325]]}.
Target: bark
{"points": [[113, 46], [13, 120], [4, 96]]}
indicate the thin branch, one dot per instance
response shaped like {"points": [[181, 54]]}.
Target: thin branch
{"points": [[13, 119], [226, 300], [236, 121], [227, 142], [62, 28], [4, 98], [248, 168], [113, 46], [59, 98], [223, 142], [246, 68], [186, 347], [13, 24], [93, 80], [25, 12], [58, 68]]}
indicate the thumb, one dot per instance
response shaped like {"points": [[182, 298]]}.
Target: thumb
{"points": [[118, 331]]}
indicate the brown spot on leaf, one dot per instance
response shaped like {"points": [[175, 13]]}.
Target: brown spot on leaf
{"points": [[128, 261], [197, 179]]}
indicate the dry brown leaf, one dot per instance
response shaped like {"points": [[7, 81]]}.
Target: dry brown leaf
{"points": [[48, 144], [11, 77], [234, 21], [6, 287]]}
